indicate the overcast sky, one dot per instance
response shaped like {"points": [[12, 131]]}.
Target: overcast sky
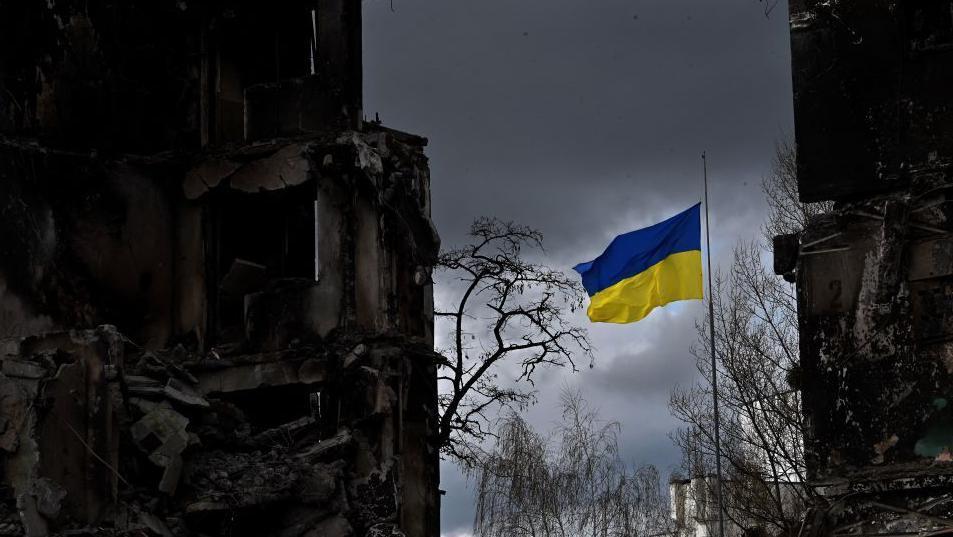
{"points": [[586, 119]]}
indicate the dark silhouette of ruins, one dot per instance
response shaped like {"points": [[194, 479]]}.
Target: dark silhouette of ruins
{"points": [[215, 296], [873, 85]]}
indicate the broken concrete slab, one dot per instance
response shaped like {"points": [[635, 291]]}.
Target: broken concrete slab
{"points": [[358, 352], [332, 448], [284, 432], [23, 369], [243, 277], [146, 406], [367, 158], [155, 524], [162, 435], [248, 377], [138, 380], [150, 392], [207, 175], [161, 368], [171, 475], [49, 497], [179, 393], [206, 506], [141, 386], [289, 166]]}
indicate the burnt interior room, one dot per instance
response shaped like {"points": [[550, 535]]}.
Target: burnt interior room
{"points": [[256, 240], [251, 47]]}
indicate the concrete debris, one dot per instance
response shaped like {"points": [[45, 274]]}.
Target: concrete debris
{"points": [[155, 524], [21, 369], [34, 525], [217, 449], [182, 394], [244, 277], [207, 175], [329, 449], [162, 435], [49, 497], [224, 481], [146, 387], [285, 432], [161, 368], [367, 158], [15, 401], [249, 377], [288, 167], [356, 354]]}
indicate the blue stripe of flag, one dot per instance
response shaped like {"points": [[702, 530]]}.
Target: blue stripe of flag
{"points": [[633, 252]]}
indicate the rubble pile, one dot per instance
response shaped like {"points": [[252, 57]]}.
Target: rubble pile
{"points": [[99, 437]]}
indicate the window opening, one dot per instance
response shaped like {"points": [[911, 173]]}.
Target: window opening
{"points": [[259, 238]]}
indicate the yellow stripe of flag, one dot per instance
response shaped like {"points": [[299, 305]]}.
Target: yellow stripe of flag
{"points": [[644, 269]]}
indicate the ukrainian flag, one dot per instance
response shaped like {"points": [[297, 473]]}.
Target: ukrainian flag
{"points": [[646, 268]]}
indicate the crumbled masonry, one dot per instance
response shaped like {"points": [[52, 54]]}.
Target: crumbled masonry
{"points": [[874, 117], [216, 311], [171, 453]]}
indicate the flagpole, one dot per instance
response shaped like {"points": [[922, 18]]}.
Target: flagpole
{"points": [[714, 366]]}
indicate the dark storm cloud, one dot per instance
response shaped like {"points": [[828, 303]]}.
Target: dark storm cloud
{"points": [[585, 119], [591, 111]]}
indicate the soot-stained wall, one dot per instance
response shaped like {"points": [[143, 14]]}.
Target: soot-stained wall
{"points": [[874, 275], [871, 94]]}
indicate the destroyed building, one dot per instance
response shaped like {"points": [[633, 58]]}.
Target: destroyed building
{"points": [[215, 296], [874, 276]]}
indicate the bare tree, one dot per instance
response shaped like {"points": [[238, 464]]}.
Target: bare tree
{"points": [[756, 342], [756, 339], [507, 311], [577, 485], [768, 6], [787, 214]]}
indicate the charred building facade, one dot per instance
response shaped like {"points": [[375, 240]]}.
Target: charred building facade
{"points": [[215, 297], [874, 128]]}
